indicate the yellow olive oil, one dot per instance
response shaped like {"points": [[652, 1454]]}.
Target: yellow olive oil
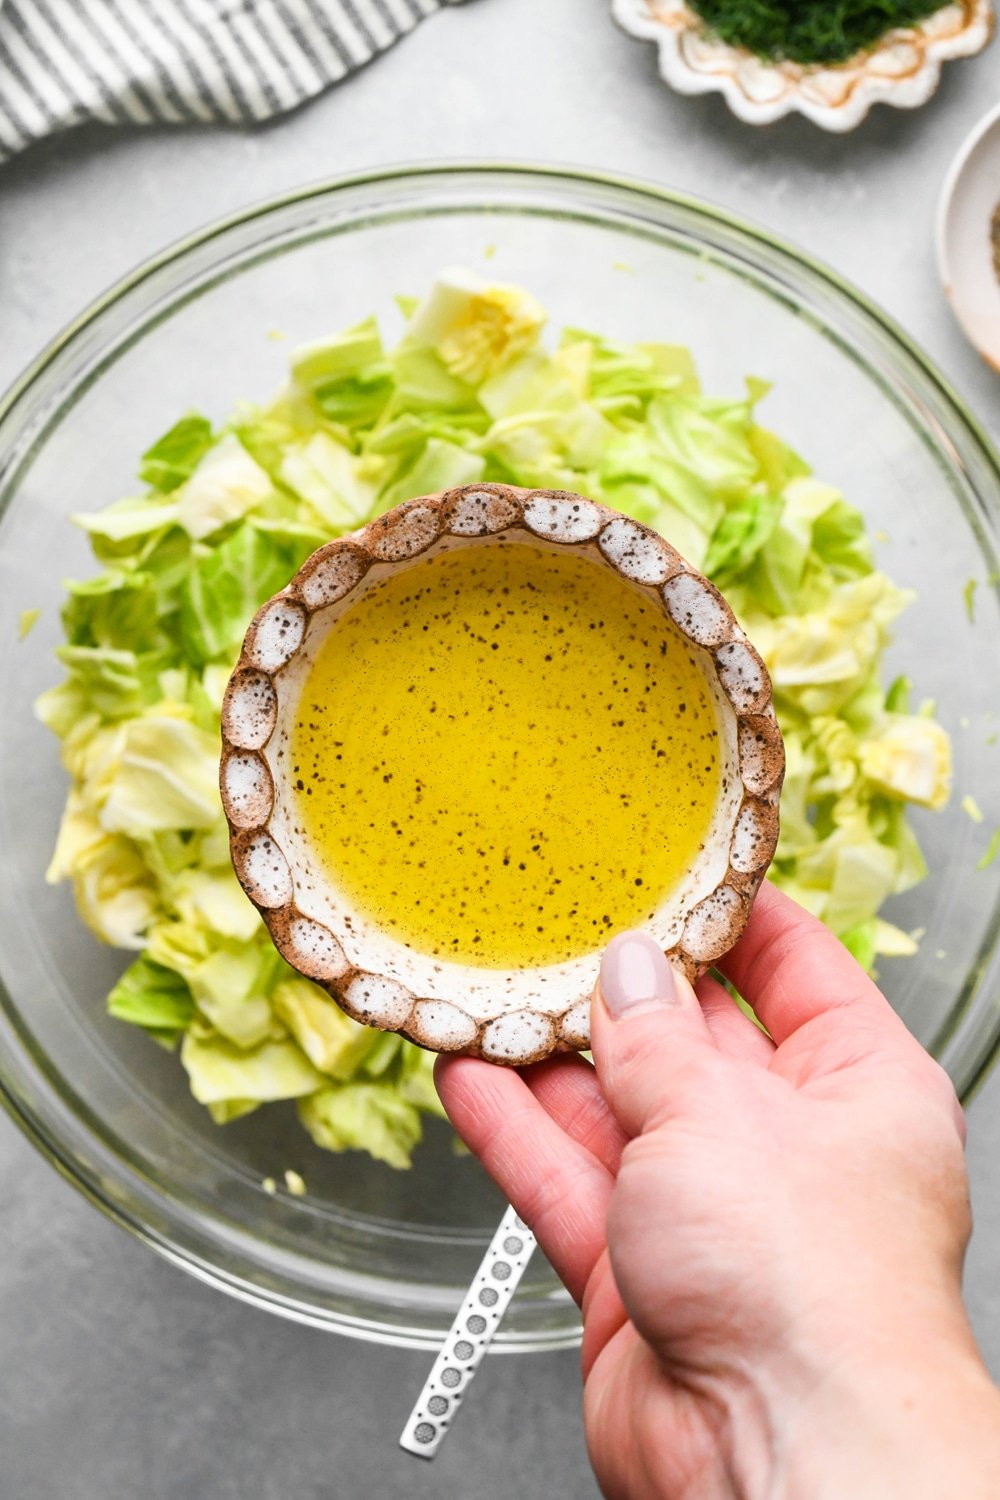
{"points": [[505, 754]]}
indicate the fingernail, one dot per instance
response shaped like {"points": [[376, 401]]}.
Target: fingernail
{"points": [[634, 972]]}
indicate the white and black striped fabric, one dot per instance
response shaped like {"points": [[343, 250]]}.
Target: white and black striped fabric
{"points": [[136, 62]]}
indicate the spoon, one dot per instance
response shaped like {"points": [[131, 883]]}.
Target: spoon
{"points": [[489, 1295]]}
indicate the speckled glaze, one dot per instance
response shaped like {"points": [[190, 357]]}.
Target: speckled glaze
{"points": [[903, 70], [506, 1016]]}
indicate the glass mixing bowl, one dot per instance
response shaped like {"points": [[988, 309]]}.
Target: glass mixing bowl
{"points": [[371, 1252]]}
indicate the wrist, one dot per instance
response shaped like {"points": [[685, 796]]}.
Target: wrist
{"points": [[924, 1425], [894, 1411]]}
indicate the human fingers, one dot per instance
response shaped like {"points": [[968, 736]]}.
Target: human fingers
{"points": [[568, 1089], [553, 1182], [570, 1092], [651, 1042], [794, 971], [603, 1312], [791, 968], [734, 1033]]}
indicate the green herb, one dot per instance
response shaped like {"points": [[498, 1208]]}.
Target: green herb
{"points": [[972, 809], [992, 850], [810, 31], [27, 620], [969, 595]]}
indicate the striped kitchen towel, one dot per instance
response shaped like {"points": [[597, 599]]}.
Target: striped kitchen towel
{"points": [[135, 62]]}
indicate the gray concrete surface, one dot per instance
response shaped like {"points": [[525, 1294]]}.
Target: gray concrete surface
{"points": [[120, 1377]]}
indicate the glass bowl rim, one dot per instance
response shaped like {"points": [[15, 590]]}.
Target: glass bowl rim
{"points": [[19, 1109]]}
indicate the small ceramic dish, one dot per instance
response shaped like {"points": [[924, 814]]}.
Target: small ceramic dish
{"points": [[968, 237], [514, 1015], [903, 69]]}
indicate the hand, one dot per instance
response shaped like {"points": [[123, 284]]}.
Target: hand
{"points": [[765, 1236]]}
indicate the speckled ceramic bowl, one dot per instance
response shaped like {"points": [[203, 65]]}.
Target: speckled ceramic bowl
{"points": [[512, 1016], [903, 69]]}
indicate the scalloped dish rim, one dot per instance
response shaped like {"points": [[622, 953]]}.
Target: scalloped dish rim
{"points": [[504, 1017], [760, 92]]}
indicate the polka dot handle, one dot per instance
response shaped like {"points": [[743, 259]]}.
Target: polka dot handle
{"points": [[470, 1336]]}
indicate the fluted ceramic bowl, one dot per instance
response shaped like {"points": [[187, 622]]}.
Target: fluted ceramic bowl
{"points": [[512, 1016], [902, 69]]}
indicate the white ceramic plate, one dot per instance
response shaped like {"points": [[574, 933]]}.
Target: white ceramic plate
{"points": [[902, 70], [969, 199]]}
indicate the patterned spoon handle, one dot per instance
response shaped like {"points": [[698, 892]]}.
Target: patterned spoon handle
{"points": [[471, 1334]]}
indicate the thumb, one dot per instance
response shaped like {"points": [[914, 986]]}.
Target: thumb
{"points": [[650, 1040]]}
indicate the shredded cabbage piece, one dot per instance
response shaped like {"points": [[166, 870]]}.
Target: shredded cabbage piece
{"points": [[469, 392]]}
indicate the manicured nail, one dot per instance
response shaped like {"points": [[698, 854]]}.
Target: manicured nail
{"points": [[634, 972]]}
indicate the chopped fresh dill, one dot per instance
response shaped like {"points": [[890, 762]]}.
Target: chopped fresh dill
{"points": [[809, 31]]}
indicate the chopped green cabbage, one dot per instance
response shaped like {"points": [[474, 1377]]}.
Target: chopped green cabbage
{"points": [[470, 392]]}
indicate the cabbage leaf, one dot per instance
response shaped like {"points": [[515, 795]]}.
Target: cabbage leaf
{"points": [[471, 391]]}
